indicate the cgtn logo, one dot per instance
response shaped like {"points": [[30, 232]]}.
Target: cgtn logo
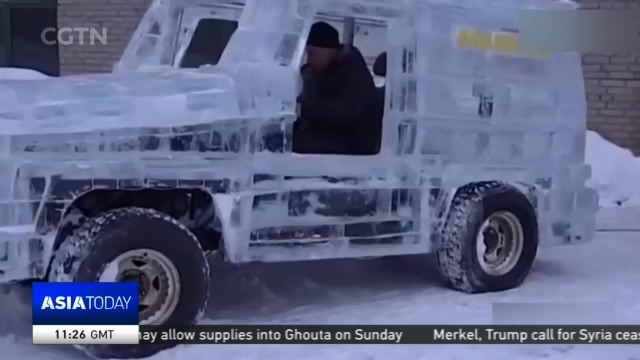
{"points": [[86, 302], [85, 313]]}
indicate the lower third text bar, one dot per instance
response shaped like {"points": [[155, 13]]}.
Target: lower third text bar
{"points": [[391, 334]]}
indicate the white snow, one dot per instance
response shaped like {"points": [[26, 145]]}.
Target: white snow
{"points": [[615, 172], [383, 292], [12, 73]]}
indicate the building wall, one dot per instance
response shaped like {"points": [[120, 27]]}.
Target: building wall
{"points": [[119, 17], [613, 87], [612, 80]]}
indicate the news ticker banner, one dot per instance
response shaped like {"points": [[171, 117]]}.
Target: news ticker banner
{"points": [[338, 334], [107, 313]]}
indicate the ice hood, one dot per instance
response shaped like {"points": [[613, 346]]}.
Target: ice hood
{"points": [[162, 97]]}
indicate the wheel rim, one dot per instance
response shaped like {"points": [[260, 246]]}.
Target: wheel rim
{"points": [[500, 243], [158, 279]]}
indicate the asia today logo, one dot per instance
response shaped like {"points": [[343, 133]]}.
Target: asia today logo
{"points": [[77, 313], [77, 35], [85, 302]]}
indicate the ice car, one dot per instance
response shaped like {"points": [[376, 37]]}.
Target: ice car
{"points": [[139, 174]]}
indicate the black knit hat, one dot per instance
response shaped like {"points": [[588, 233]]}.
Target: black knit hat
{"points": [[323, 35]]}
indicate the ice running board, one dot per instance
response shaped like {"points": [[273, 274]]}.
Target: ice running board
{"points": [[316, 249]]}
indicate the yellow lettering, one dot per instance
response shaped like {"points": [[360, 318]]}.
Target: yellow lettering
{"points": [[466, 38], [483, 40], [499, 42], [505, 43]]}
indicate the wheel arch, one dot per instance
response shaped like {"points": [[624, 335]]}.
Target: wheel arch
{"points": [[197, 210], [530, 191]]}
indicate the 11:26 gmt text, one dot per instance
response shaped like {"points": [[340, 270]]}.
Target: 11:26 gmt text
{"points": [[535, 335]]}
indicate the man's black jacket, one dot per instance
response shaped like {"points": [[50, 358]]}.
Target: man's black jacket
{"points": [[340, 108]]}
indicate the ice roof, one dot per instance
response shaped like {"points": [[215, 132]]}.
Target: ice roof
{"points": [[397, 8]]}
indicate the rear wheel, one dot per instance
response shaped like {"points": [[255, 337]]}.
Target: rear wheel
{"points": [[146, 246], [490, 239]]}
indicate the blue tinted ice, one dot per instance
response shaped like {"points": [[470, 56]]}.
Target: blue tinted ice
{"points": [[112, 101], [461, 91], [462, 105]]}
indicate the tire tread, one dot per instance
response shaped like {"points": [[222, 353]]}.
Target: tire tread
{"points": [[465, 211]]}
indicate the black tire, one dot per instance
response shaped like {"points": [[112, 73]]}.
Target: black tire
{"points": [[456, 255], [84, 255]]}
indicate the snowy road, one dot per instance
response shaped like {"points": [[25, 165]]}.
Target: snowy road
{"points": [[376, 292]]}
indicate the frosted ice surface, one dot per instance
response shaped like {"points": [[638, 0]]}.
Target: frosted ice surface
{"points": [[461, 106], [493, 114], [112, 101]]}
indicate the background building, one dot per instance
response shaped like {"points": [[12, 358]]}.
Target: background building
{"points": [[612, 80], [21, 24]]}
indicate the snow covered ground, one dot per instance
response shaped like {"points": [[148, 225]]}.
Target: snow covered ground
{"points": [[11, 73], [605, 271]]}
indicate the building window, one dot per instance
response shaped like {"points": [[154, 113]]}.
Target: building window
{"points": [[22, 44], [208, 42]]}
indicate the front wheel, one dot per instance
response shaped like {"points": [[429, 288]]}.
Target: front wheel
{"points": [[145, 246], [490, 239]]}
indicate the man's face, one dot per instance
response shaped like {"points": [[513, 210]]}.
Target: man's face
{"points": [[319, 58]]}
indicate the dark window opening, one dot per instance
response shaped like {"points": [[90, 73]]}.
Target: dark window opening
{"points": [[28, 47], [208, 42]]}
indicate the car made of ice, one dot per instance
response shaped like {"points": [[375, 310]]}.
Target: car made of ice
{"points": [[185, 150]]}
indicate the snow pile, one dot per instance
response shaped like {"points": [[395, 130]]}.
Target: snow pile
{"points": [[11, 73], [615, 172]]}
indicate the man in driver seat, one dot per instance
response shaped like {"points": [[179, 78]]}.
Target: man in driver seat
{"points": [[340, 111]]}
